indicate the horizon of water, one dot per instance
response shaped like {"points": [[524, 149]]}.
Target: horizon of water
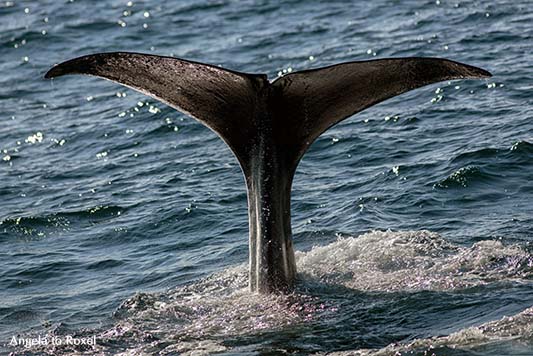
{"points": [[124, 220]]}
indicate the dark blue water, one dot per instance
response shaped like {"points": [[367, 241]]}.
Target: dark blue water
{"points": [[125, 220]]}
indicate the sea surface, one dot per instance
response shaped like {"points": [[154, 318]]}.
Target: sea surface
{"points": [[125, 221]]}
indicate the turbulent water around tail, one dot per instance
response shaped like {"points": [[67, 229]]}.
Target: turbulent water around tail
{"points": [[125, 222], [355, 283]]}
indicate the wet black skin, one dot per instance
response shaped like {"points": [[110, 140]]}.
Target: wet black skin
{"points": [[268, 125]]}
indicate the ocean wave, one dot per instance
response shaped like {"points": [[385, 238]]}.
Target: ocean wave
{"points": [[518, 149], [44, 224], [194, 318], [413, 261], [487, 165], [516, 330], [198, 316], [463, 177]]}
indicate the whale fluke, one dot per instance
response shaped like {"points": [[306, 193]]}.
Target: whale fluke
{"points": [[221, 99], [317, 99], [268, 126]]}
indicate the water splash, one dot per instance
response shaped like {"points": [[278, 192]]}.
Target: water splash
{"points": [[516, 329], [196, 318], [412, 261]]}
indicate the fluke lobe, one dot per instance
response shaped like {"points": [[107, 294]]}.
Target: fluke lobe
{"points": [[268, 125]]}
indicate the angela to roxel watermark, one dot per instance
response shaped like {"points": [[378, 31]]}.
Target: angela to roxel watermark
{"points": [[40, 341]]}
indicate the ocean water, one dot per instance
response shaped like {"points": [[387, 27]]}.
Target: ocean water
{"points": [[124, 220]]}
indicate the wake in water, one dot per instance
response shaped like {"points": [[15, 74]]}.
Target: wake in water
{"points": [[514, 330], [351, 281]]}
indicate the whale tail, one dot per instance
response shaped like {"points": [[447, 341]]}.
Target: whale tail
{"points": [[305, 103], [268, 126]]}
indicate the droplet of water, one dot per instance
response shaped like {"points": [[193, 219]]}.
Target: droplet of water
{"points": [[437, 99], [35, 138], [154, 110], [102, 155]]}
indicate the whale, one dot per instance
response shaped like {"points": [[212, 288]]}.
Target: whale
{"points": [[268, 125]]}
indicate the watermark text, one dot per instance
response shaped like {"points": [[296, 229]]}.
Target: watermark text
{"points": [[29, 342]]}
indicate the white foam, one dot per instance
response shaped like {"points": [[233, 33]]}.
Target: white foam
{"points": [[517, 328], [412, 261], [195, 318], [189, 318]]}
